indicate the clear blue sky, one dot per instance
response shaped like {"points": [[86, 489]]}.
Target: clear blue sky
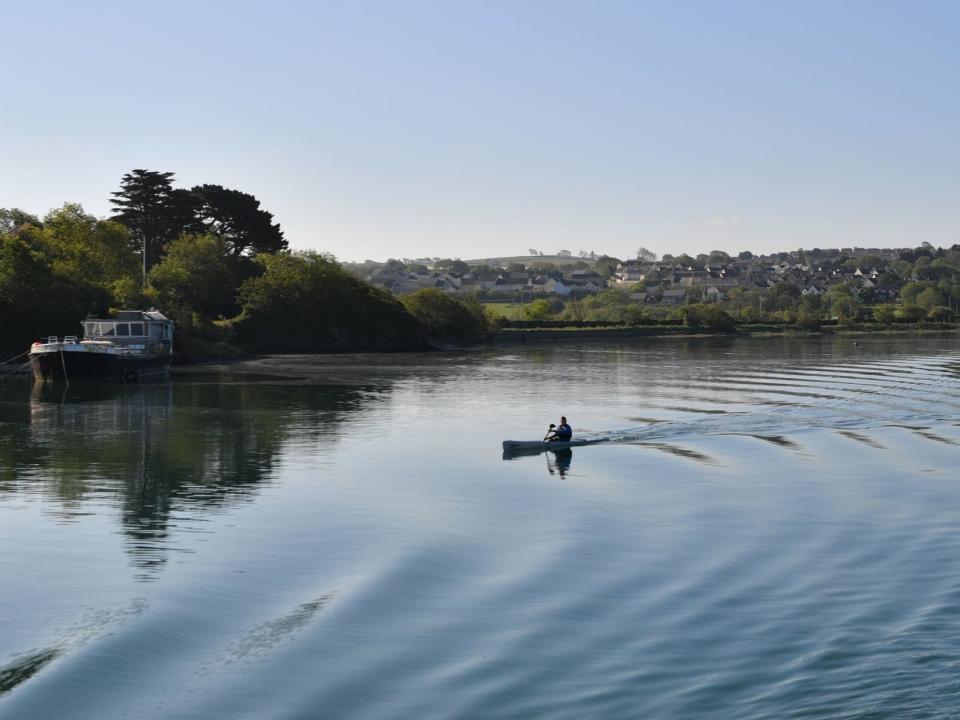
{"points": [[404, 129]]}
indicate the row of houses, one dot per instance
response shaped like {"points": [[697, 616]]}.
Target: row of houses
{"points": [[668, 283], [504, 283], [717, 280]]}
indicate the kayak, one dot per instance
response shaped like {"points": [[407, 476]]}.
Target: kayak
{"points": [[521, 445]]}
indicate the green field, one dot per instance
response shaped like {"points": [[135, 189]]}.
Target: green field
{"points": [[510, 311]]}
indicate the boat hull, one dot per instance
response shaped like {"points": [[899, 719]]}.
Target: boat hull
{"points": [[66, 366], [527, 445]]}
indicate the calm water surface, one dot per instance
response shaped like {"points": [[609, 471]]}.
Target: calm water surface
{"points": [[773, 531]]}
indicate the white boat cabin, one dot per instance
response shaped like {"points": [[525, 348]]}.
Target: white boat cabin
{"points": [[135, 330]]}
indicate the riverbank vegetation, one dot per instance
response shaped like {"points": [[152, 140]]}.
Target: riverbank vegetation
{"points": [[215, 262]]}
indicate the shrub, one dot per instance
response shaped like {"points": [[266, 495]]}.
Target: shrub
{"points": [[885, 314], [910, 314], [940, 313], [711, 317], [808, 320], [305, 302], [447, 318]]}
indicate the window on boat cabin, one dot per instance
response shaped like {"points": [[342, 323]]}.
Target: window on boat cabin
{"points": [[107, 329], [166, 332], [136, 330], [156, 332], [123, 329]]}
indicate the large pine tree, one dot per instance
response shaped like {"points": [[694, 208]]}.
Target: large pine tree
{"points": [[154, 212], [238, 218]]}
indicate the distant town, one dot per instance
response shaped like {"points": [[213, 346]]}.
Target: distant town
{"points": [[846, 282]]}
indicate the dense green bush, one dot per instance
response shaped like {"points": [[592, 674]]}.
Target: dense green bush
{"points": [[941, 313], [885, 313], [712, 317], [305, 302], [808, 320], [910, 313], [36, 300], [447, 318]]}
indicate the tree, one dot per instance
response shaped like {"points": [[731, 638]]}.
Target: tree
{"points": [[941, 313], [238, 218], [885, 314], [842, 302], [646, 255], [605, 266], [35, 299], [446, 317], [15, 218], [197, 275], [539, 309], [91, 250], [708, 316], [153, 211], [306, 302], [929, 298], [784, 295], [455, 266], [910, 313]]}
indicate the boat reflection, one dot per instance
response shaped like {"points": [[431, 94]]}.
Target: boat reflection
{"points": [[558, 460], [560, 464], [164, 454]]}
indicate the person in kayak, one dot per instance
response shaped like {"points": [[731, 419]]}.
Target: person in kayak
{"points": [[563, 433]]}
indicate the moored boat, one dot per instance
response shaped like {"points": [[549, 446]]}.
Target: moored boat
{"points": [[132, 346]]}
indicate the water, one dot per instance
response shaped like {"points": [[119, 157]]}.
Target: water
{"points": [[772, 531]]}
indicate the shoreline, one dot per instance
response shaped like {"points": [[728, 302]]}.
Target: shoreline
{"points": [[507, 336], [520, 336]]}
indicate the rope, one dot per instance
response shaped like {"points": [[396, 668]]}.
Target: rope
{"points": [[63, 362], [16, 369], [7, 362]]}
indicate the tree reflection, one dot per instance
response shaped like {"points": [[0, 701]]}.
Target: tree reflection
{"points": [[156, 450]]}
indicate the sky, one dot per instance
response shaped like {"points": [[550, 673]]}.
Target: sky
{"points": [[487, 128]]}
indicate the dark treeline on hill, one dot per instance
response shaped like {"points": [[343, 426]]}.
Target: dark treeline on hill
{"points": [[213, 260]]}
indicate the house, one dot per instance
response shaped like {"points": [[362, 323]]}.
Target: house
{"points": [[511, 283], [553, 286], [673, 297], [714, 293]]}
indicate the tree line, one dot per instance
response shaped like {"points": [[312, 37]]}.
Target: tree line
{"points": [[217, 263]]}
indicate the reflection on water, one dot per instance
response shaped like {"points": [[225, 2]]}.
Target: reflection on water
{"points": [[770, 529], [161, 448], [24, 667], [560, 463]]}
